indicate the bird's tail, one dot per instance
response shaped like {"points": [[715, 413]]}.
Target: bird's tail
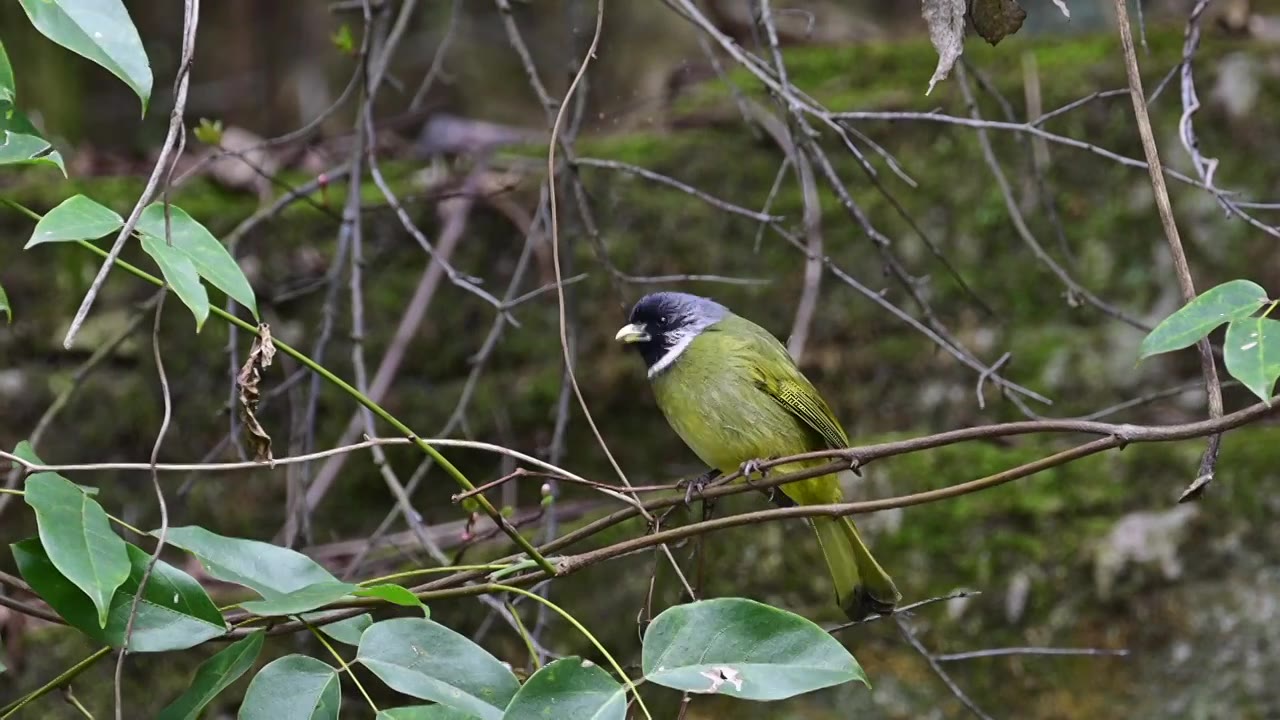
{"points": [[862, 586]]}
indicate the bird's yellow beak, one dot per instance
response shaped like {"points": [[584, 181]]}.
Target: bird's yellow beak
{"points": [[632, 333]]}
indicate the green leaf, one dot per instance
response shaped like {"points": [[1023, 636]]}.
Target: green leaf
{"points": [[424, 712], [213, 676], [344, 631], [392, 593], [76, 218], [269, 569], [210, 257], [4, 305], [343, 40], [77, 536], [742, 648], [570, 689], [181, 275], [209, 132], [99, 30], [24, 149], [1215, 306], [1252, 354], [174, 614], [427, 660], [295, 687], [8, 88], [301, 600], [12, 119]]}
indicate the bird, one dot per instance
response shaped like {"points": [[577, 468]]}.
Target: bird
{"points": [[733, 394]]}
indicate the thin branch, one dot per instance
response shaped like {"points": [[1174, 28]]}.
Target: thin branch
{"points": [[1208, 461], [452, 586], [62, 679], [1205, 167], [1057, 652], [560, 297], [30, 610], [1223, 196], [1074, 289], [164, 509], [936, 666], [905, 609], [648, 174], [437, 60], [527, 226], [271, 464], [392, 359], [191, 20]]}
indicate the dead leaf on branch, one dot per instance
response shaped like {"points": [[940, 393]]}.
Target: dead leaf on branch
{"points": [[945, 19], [996, 20], [261, 355]]}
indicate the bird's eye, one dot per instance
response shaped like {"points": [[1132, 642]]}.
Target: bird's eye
{"points": [[663, 320]]}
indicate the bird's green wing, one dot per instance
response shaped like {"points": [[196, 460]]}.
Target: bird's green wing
{"points": [[803, 401], [778, 376]]}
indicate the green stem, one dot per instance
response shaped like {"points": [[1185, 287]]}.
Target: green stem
{"points": [[526, 637], [346, 387], [586, 633], [344, 667], [127, 526], [67, 676], [428, 571]]}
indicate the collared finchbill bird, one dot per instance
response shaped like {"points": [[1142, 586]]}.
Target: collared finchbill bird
{"points": [[730, 390]]}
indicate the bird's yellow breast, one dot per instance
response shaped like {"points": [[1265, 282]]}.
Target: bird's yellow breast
{"points": [[711, 399]]}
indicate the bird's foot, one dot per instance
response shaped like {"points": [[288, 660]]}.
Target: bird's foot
{"points": [[693, 486], [751, 467], [855, 465], [778, 497]]}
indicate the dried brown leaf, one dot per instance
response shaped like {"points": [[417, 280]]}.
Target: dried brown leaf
{"points": [[996, 20], [945, 19], [261, 355]]}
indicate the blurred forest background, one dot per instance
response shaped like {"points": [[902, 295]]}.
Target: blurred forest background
{"points": [[1095, 554]]}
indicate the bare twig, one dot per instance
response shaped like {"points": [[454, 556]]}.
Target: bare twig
{"points": [[560, 296], [1116, 434], [164, 510], [389, 366], [905, 609], [31, 610], [1074, 289], [276, 462], [437, 60], [936, 666], [648, 174], [1205, 167], [1052, 651], [1208, 461], [191, 19], [455, 585]]}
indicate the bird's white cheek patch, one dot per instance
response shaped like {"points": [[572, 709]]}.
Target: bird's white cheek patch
{"points": [[682, 343]]}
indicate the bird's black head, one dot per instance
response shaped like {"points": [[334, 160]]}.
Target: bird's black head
{"points": [[663, 324]]}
